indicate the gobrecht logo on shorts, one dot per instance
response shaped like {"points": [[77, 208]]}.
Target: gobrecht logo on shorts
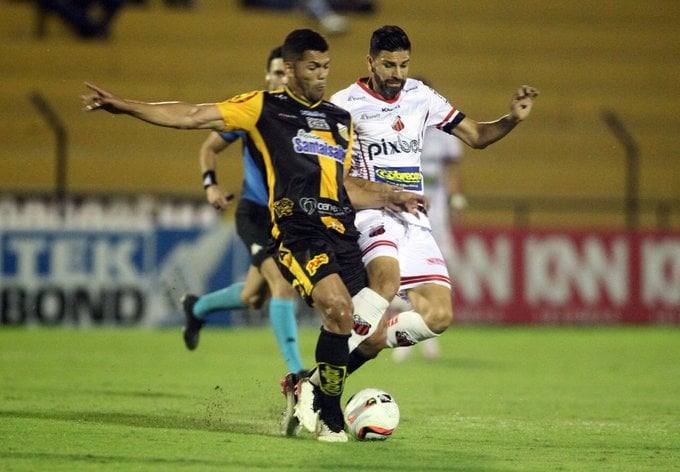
{"points": [[408, 178], [308, 143], [397, 146]]}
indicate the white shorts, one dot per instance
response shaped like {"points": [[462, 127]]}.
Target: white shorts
{"points": [[420, 260]]}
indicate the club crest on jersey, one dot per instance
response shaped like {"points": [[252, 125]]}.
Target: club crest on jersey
{"points": [[397, 124], [408, 178], [308, 143]]}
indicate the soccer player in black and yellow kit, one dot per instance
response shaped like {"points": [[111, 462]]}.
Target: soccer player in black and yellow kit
{"points": [[306, 143]]}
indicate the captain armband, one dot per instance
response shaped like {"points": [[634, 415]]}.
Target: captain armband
{"points": [[209, 178]]}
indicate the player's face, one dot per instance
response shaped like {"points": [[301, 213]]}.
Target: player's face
{"points": [[276, 75], [307, 78], [389, 70]]}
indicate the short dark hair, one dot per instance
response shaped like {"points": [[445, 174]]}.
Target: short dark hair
{"points": [[301, 40], [274, 54], [389, 38]]}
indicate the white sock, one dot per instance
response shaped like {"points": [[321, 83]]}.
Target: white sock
{"points": [[369, 308], [407, 328]]}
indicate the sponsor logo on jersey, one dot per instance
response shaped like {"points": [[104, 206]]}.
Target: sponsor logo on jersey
{"points": [[397, 146], [283, 207], [317, 123], [372, 116], [307, 143], [318, 114], [408, 178], [317, 261], [311, 205], [436, 261]]}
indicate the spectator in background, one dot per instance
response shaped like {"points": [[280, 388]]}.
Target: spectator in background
{"points": [[88, 18], [321, 10]]}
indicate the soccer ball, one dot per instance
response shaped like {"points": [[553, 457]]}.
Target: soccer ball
{"points": [[371, 414]]}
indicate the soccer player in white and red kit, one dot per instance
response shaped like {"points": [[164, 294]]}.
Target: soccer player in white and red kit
{"points": [[390, 114]]}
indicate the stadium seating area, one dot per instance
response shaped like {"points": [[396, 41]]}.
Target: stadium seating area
{"points": [[621, 57]]}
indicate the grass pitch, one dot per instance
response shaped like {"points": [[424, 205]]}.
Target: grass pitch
{"points": [[498, 399]]}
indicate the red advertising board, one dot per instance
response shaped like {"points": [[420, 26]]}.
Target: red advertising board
{"points": [[529, 276]]}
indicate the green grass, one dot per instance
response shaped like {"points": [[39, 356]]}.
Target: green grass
{"points": [[499, 399]]}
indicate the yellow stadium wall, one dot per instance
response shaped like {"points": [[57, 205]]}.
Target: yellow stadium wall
{"points": [[584, 56]]}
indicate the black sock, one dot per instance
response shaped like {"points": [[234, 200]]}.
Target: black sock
{"points": [[332, 352], [356, 360]]}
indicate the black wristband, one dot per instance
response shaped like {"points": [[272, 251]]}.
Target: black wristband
{"points": [[209, 178]]}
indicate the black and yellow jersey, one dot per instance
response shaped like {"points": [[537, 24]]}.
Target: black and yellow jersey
{"points": [[306, 148]]}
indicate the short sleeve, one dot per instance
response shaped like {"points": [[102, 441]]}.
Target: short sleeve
{"points": [[242, 111]]}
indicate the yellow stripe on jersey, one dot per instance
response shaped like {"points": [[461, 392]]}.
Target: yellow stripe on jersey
{"points": [[350, 144], [242, 111], [328, 185], [256, 138]]}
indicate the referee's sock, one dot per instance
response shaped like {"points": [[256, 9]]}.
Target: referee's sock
{"points": [[228, 298], [282, 318]]}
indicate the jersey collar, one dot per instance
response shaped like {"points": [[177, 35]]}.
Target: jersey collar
{"points": [[301, 100], [363, 83]]}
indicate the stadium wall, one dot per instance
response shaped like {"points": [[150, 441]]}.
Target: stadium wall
{"points": [[584, 56], [128, 263]]}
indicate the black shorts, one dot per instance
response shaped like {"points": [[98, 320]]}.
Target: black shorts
{"points": [[253, 226], [306, 257]]}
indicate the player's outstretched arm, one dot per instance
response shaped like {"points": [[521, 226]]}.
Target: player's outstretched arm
{"points": [[480, 135], [170, 114]]}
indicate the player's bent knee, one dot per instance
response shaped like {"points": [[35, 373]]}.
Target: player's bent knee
{"points": [[439, 320], [336, 311]]}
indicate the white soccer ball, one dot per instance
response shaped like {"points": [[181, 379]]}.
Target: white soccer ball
{"points": [[371, 414]]}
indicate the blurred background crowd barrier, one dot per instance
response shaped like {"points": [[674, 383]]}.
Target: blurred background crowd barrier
{"points": [[574, 218]]}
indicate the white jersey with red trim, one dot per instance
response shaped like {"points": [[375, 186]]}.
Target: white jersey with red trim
{"points": [[389, 133]]}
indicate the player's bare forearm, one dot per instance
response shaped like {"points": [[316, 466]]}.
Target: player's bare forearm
{"points": [[365, 194], [480, 135], [169, 114]]}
